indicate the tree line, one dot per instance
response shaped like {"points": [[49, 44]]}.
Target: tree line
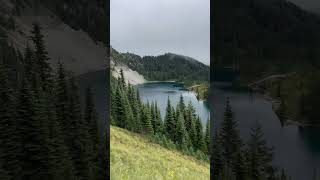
{"points": [[45, 133], [234, 159], [180, 129]]}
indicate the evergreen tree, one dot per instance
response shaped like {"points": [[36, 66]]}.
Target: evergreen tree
{"points": [[240, 166], [122, 79], [41, 57], [190, 124], [216, 156], [230, 139], [169, 122], [129, 118], [91, 120], [8, 133], [30, 68], [62, 102], [200, 144], [158, 120], [207, 136], [80, 142], [259, 156], [147, 126], [181, 134], [181, 104], [33, 156], [119, 111], [135, 124], [153, 116]]}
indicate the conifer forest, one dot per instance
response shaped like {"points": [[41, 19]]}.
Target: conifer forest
{"points": [[46, 132]]}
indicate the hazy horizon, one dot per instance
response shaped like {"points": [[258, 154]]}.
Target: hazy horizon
{"points": [[151, 28]]}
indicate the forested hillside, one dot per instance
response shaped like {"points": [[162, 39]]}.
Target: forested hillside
{"points": [[269, 38], [45, 132], [165, 67], [168, 67], [264, 36], [181, 129]]}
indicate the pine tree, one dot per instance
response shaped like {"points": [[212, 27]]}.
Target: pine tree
{"points": [[240, 166], [207, 137], [8, 133], [153, 116], [181, 104], [147, 126], [135, 124], [41, 57], [30, 68], [129, 118], [80, 145], [181, 134], [190, 123], [216, 156], [259, 156], [158, 120], [119, 111], [62, 102], [91, 119], [200, 144], [169, 122], [229, 136], [122, 79], [33, 157]]}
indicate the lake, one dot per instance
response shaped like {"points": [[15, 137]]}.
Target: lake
{"points": [[161, 91], [297, 150]]}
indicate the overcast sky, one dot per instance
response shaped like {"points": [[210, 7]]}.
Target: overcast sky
{"points": [[154, 27]]}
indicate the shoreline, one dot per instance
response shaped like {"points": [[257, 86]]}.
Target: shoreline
{"points": [[275, 103], [189, 88]]}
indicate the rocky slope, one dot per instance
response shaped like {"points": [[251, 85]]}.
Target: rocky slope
{"points": [[75, 48]]}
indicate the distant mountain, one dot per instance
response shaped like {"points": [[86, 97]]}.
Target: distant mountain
{"points": [[165, 67], [264, 36]]}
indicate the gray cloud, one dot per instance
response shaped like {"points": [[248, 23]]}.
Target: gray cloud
{"points": [[153, 27]]}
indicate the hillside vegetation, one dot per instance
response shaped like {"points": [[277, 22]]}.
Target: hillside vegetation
{"points": [[134, 157], [167, 67], [265, 38]]}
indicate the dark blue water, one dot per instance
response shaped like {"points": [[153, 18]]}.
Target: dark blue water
{"points": [[297, 150], [161, 91]]}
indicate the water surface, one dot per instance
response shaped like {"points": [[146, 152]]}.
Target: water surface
{"points": [[161, 91], [296, 149]]}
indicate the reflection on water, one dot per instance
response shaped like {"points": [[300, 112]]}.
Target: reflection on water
{"points": [[160, 92], [296, 149]]}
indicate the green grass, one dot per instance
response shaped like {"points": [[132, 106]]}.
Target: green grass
{"points": [[135, 157]]}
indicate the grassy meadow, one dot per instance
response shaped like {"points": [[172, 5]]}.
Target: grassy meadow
{"points": [[135, 157]]}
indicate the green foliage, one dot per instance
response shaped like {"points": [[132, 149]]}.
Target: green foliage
{"points": [[233, 160], [167, 67], [172, 132], [43, 133], [135, 156]]}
